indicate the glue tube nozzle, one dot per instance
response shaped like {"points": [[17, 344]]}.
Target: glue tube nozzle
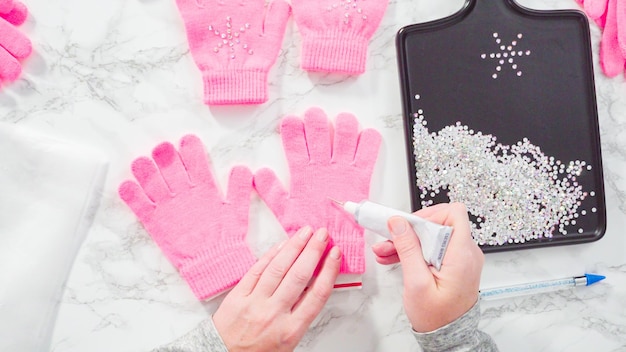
{"points": [[336, 202]]}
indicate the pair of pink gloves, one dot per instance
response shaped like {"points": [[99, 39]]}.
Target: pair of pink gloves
{"points": [[14, 46], [610, 15], [202, 231], [235, 42]]}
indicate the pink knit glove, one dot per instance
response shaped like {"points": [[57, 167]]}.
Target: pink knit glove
{"points": [[14, 46], [319, 170], [201, 232], [234, 43], [610, 15], [336, 33]]}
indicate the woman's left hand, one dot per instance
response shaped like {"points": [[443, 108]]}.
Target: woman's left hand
{"points": [[273, 305]]}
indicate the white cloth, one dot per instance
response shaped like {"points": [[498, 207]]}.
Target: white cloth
{"points": [[49, 191]]}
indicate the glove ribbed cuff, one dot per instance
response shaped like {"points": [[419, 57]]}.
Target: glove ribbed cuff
{"points": [[235, 87], [352, 245], [335, 51], [210, 274]]}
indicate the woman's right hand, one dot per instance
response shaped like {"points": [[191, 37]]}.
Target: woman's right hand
{"points": [[433, 299]]}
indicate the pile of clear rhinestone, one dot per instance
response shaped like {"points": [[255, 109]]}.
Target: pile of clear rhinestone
{"points": [[514, 193]]}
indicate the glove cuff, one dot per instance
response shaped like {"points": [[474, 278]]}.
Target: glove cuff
{"points": [[334, 51], [352, 245], [235, 87], [209, 274]]}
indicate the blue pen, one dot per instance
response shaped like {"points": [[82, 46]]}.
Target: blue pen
{"points": [[539, 287]]}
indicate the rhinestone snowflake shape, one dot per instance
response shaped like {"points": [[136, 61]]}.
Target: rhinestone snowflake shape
{"points": [[229, 39], [506, 55]]}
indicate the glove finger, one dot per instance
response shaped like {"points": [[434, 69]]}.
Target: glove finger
{"points": [[198, 35], [171, 167], [17, 15], [318, 136], [248, 10], [271, 191], [16, 43], [10, 68], [198, 17], [611, 58], [189, 7], [245, 14], [346, 138], [6, 6], [276, 18], [301, 13], [595, 8], [367, 150], [621, 26], [132, 194], [150, 179], [239, 189], [294, 142], [197, 163]]}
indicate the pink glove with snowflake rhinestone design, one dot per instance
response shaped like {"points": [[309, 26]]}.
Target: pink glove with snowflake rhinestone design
{"points": [[234, 44], [321, 169], [336, 33], [201, 232]]}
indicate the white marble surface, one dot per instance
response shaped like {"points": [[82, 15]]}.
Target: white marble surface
{"points": [[118, 75]]}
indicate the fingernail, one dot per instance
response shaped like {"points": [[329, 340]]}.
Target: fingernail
{"points": [[281, 244], [335, 253], [321, 235], [305, 232], [397, 225]]}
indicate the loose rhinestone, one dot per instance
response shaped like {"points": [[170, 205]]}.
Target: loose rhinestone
{"points": [[515, 192]]}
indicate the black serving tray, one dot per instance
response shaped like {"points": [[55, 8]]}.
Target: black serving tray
{"points": [[548, 97]]}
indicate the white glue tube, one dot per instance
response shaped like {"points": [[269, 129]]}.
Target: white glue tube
{"points": [[433, 237]]}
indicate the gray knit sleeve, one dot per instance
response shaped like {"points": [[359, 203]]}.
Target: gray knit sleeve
{"points": [[203, 338], [462, 335]]}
